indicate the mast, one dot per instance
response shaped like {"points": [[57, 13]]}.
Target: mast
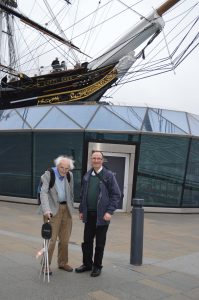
{"points": [[37, 26], [9, 30], [125, 46], [166, 6]]}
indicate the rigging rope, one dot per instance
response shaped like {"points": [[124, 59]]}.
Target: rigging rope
{"points": [[137, 13], [170, 57], [137, 72]]}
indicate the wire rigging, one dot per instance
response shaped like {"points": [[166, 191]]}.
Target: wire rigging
{"points": [[178, 40]]}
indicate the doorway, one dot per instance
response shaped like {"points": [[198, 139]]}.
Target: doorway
{"points": [[119, 159]]}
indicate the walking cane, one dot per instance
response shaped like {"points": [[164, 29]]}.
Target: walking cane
{"points": [[46, 233]]}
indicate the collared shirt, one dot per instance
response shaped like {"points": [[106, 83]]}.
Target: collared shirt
{"points": [[60, 185], [93, 173], [57, 173]]}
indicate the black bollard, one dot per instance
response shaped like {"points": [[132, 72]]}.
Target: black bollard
{"points": [[137, 229]]}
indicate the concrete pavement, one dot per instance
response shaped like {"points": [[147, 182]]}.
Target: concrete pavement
{"points": [[170, 269]]}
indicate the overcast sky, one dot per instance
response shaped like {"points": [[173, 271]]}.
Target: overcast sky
{"points": [[176, 92], [173, 91]]}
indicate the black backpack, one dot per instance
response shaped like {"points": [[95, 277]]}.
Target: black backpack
{"points": [[51, 184]]}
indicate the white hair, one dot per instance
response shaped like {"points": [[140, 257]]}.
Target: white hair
{"points": [[60, 158]]}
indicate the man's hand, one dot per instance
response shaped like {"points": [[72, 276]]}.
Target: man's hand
{"points": [[107, 217], [81, 216]]}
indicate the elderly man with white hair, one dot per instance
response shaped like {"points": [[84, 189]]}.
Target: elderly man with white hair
{"points": [[56, 206]]}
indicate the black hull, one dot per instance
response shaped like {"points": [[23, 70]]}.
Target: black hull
{"points": [[65, 87]]}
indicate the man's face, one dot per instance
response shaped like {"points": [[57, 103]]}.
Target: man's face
{"points": [[63, 167], [96, 160]]}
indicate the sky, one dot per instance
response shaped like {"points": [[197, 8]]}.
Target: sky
{"points": [[177, 91]]}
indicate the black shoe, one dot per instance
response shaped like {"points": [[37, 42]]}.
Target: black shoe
{"points": [[82, 269], [96, 272]]}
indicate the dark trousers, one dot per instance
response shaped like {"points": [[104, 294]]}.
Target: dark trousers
{"points": [[92, 231]]}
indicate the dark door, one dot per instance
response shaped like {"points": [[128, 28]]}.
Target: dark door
{"points": [[117, 166]]}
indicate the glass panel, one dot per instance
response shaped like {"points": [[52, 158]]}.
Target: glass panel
{"points": [[191, 193], [105, 120], [194, 124], [194, 116], [56, 119], [33, 114], [111, 136], [157, 192], [161, 170], [10, 119], [15, 162], [175, 117], [49, 145], [133, 115], [156, 123], [80, 113]]}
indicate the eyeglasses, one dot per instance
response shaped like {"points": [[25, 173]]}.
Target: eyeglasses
{"points": [[96, 158]]}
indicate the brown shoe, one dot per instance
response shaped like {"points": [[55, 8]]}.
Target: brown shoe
{"points": [[66, 268]]}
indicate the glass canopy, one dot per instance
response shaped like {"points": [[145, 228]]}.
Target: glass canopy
{"points": [[100, 117]]}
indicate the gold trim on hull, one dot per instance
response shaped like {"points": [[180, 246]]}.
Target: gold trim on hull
{"points": [[80, 93]]}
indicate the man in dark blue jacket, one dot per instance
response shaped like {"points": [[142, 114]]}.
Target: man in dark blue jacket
{"points": [[99, 198]]}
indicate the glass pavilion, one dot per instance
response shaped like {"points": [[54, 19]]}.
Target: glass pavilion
{"points": [[167, 145]]}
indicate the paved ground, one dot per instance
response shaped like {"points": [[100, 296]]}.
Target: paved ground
{"points": [[170, 269]]}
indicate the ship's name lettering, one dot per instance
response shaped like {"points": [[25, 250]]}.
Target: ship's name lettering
{"points": [[48, 100], [82, 93], [41, 83]]}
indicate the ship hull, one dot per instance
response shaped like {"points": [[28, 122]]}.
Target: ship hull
{"points": [[72, 86]]}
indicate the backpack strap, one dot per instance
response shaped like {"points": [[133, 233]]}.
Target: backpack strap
{"points": [[52, 178], [68, 177], [102, 179], [51, 184]]}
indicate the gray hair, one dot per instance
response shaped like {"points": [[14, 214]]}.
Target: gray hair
{"points": [[60, 158]]}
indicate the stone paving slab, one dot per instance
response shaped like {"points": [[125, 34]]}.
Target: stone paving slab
{"points": [[170, 269]]}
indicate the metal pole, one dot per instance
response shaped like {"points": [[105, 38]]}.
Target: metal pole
{"points": [[137, 229]]}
